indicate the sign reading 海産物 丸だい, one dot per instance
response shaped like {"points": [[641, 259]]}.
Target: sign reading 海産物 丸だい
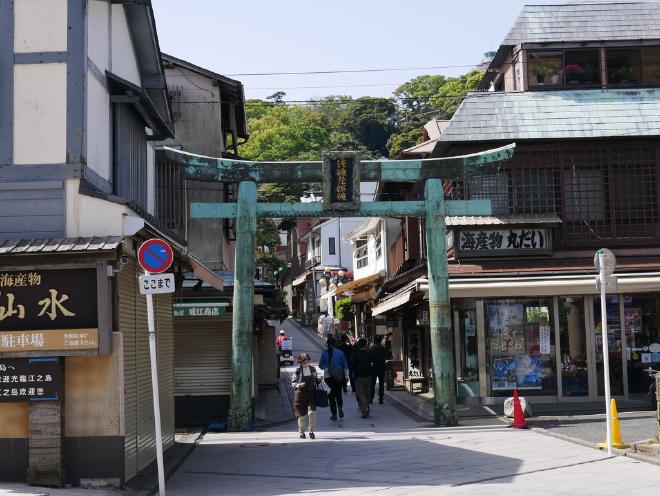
{"points": [[48, 310], [493, 242], [341, 180]]}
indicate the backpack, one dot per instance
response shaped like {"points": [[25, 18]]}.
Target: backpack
{"points": [[336, 373]]}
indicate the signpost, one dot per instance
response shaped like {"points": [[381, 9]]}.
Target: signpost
{"points": [[605, 262], [155, 255]]}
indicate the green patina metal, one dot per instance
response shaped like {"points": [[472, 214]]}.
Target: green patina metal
{"points": [[204, 168], [246, 211], [240, 401]]}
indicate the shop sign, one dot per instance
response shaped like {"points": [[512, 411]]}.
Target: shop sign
{"points": [[30, 379], [341, 181], [48, 310], [200, 309], [414, 338], [503, 242]]}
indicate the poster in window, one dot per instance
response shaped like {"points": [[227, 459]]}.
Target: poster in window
{"points": [[532, 341], [528, 372], [633, 320], [504, 373], [506, 328], [544, 340]]}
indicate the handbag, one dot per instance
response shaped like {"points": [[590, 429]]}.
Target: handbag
{"points": [[320, 398]]}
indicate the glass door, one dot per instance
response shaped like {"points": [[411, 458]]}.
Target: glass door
{"points": [[467, 353], [614, 345], [573, 348]]}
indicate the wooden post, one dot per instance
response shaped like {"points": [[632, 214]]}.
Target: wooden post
{"points": [[46, 443], [240, 406], [444, 376]]}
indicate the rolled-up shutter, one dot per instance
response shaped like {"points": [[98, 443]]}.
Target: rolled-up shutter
{"points": [[202, 363]]}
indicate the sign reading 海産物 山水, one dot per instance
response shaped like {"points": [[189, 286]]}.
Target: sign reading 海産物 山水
{"points": [[341, 180], [48, 310]]}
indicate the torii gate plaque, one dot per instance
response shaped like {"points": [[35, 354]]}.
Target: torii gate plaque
{"points": [[341, 173]]}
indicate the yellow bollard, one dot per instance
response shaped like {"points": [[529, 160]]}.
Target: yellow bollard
{"points": [[617, 442]]}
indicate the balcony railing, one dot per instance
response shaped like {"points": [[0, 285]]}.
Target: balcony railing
{"points": [[312, 262]]}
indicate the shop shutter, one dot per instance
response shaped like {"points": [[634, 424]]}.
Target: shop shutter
{"points": [[126, 295], [202, 363], [165, 347]]}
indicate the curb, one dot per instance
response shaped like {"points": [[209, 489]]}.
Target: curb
{"points": [[414, 410]]}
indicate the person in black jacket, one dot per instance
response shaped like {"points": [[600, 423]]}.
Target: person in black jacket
{"points": [[379, 357], [362, 372], [347, 349]]}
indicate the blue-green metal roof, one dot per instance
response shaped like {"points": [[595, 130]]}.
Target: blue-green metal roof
{"points": [[514, 116]]}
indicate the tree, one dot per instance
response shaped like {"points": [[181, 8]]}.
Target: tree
{"points": [[399, 142], [370, 121], [267, 233], [451, 95], [270, 266], [414, 96]]}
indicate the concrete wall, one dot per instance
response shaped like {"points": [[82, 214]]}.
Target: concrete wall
{"points": [[338, 228], [124, 63], [40, 26]]}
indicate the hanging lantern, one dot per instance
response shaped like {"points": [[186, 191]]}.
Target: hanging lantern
{"points": [[323, 283], [341, 273], [333, 286]]}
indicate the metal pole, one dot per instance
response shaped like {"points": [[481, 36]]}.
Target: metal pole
{"points": [[240, 402], [156, 396], [444, 378], [606, 355]]}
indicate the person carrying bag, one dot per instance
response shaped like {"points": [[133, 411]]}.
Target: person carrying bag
{"points": [[304, 382], [335, 371]]}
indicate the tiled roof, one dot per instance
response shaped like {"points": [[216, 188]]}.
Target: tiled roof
{"points": [[502, 220], [509, 116], [586, 21], [59, 245]]}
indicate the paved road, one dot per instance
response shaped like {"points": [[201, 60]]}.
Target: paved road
{"points": [[392, 453]]}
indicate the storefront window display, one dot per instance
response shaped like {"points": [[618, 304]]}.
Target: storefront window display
{"points": [[468, 358], [573, 347], [522, 346], [641, 313], [613, 344]]}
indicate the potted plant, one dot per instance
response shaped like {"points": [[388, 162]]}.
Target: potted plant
{"points": [[573, 73], [553, 70], [621, 74], [540, 71]]}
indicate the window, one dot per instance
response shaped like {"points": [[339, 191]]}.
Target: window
{"points": [[130, 155], [544, 69], [624, 66], [651, 64], [331, 246], [581, 68], [361, 253]]}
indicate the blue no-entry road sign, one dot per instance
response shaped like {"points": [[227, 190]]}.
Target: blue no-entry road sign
{"points": [[155, 255]]}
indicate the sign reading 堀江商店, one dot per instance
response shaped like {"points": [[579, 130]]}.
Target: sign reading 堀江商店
{"points": [[482, 242], [341, 180], [48, 310]]}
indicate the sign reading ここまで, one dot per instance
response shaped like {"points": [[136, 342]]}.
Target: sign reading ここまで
{"points": [[48, 310]]}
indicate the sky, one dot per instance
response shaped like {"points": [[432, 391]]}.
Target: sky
{"points": [[236, 38]]}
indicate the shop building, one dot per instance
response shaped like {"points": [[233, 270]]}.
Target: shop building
{"points": [[584, 176], [84, 91]]}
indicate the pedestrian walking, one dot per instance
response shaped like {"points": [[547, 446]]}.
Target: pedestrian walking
{"points": [[335, 371], [304, 383], [347, 349], [362, 372], [378, 355]]}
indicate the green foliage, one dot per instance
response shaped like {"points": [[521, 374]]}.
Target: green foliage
{"points": [[343, 309], [451, 95], [270, 266], [415, 95], [370, 121], [399, 142], [267, 233]]}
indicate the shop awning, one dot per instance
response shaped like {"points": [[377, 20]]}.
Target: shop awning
{"points": [[401, 297], [494, 287], [502, 220], [358, 283], [205, 274], [367, 227], [301, 279]]}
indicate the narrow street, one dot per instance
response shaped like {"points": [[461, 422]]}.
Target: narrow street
{"points": [[392, 453]]}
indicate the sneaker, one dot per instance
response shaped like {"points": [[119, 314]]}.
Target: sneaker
{"points": [[302, 435], [341, 413], [334, 417], [312, 435], [365, 415]]}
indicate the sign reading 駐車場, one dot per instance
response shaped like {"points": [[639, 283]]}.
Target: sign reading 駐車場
{"points": [[48, 310], [341, 180], [491, 242]]}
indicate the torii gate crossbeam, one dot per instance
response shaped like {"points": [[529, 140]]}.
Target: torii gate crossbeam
{"points": [[340, 173]]}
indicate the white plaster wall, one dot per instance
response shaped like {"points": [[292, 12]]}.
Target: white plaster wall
{"points": [[40, 26], [123, 56], [338, 228], [40, 114], [88, 216], [98, 33], [98, 127]]}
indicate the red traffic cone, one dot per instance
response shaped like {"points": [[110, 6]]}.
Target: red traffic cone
{"points": [[519, 421]]}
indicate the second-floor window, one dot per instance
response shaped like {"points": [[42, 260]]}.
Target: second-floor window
{"points": [[361, 253], [331, 246], [130, 155]]}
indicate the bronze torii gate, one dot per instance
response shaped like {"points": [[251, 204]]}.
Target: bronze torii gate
{"points": [[340, 173]]}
